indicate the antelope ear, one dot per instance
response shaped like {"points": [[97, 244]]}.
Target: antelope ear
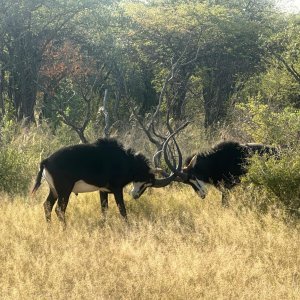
{"points": [[192, 163]]}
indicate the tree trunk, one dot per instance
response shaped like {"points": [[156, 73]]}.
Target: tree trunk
{"points": [[179, 89], [82, 137], [2, 105], [25, 89], [29, 87], [216, 94], [180, 100], [47, 112], [25, 61]]}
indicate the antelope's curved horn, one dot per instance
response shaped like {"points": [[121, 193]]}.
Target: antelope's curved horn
{"points": [[164, 182], [176, 170], [165, 145], [155, 158]]}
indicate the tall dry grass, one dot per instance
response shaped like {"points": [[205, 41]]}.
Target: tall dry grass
{"points": [[175, 246]]}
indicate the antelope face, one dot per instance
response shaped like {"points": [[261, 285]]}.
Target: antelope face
{"points": [[198, 186], [142, 183], [139, 188]]}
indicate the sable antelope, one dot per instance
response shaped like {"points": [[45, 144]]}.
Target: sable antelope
{"points": [[224, 164], [103, 166]]}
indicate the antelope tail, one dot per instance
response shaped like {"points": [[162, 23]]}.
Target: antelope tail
{"points": [[39, 177]]}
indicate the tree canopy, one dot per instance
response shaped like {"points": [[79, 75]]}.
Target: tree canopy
{"points": [[58, 57]]}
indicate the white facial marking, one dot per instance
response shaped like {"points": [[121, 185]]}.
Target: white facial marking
{"points": [[201, 188], [138, 188]]}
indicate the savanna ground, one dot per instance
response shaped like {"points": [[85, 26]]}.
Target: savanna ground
{"points": [[176, 246]]}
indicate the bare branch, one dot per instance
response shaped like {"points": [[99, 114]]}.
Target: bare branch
{"points": [[160, 100], [165, 146], [289, 68], [66, 119], [106, 114], [154, 141]]}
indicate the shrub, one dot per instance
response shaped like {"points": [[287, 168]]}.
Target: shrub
{"points": [[261, 123], [22, 149], [13, 171], [280, 178]]}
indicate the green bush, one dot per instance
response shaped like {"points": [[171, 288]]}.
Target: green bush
{"points": [[13, 171], [264, 124], [280, 178], [21, 150]]}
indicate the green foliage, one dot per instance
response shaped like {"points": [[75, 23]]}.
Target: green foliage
{"points": [[14, 177], [280, 81], [263, 124], [217, 43], [8, 130], [22, 149], [280, 87], [280, 178]]}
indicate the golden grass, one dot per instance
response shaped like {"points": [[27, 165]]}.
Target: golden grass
{"points": [[176, 246]]}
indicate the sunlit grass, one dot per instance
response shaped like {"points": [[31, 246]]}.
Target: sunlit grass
{"points": [[175, 246]]}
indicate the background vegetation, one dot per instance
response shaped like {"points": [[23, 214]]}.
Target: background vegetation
{"points": [[231, 67]]}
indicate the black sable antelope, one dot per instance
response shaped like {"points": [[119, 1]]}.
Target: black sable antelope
{"points": [[224, 164], [103, 166]]}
